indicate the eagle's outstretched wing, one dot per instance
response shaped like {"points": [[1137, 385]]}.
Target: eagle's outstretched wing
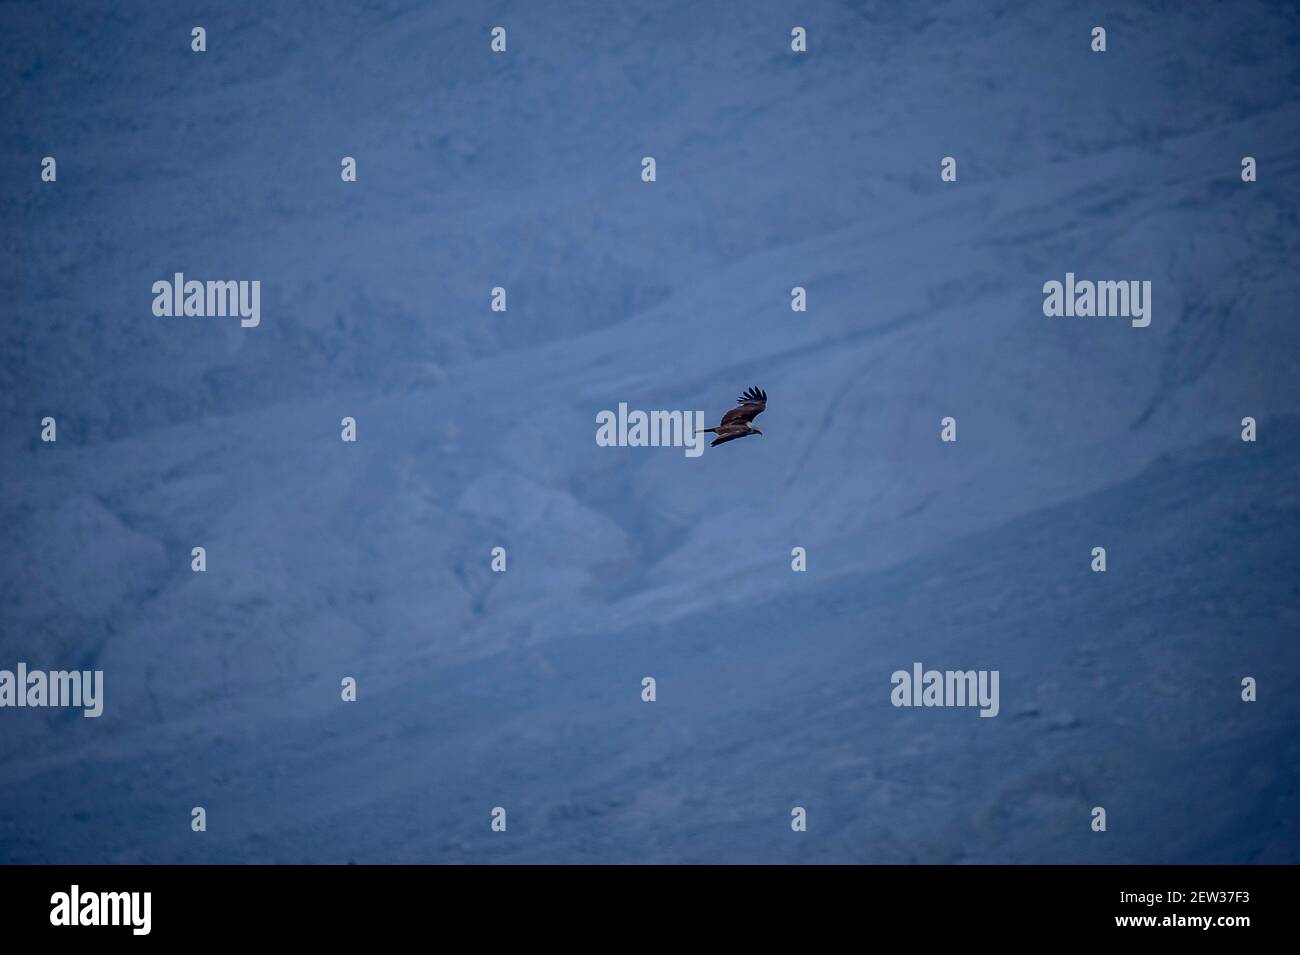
{"points": [[752, 403]]}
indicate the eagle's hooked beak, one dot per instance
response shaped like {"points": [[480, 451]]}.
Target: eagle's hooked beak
{"points": [[756, 429]]}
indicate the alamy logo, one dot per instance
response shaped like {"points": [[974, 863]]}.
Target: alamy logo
{"points": [[654, 429], [947, 688], [103, 908], [1084, 299], [84, 688], [209, 299]]}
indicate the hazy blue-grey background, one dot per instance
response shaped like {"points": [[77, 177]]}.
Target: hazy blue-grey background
{"points": [[477, 430]]}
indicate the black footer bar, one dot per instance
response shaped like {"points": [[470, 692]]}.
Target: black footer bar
{"points": [[333, 904]]}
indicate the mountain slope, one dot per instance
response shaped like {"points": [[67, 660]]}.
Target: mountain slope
{"points": [[1117, 689]]}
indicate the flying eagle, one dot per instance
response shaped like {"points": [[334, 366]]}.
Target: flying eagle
{"points": [[738, 422]]}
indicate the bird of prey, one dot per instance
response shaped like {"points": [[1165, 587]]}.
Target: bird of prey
{"points": [[739, 421]]}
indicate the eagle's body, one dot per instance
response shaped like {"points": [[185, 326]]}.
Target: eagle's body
{"points": [[739, 421]]}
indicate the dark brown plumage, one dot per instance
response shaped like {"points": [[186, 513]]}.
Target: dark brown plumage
{"points": [[738, 422]]}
